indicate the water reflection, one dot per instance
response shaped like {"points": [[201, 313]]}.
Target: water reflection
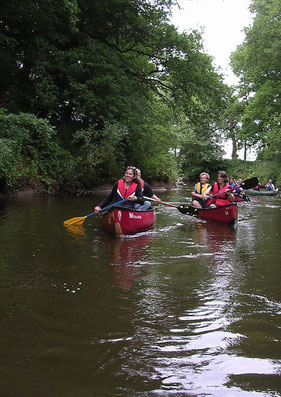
{"points": [[219, 238], [126, 256], [190, 308], [76, 231]]}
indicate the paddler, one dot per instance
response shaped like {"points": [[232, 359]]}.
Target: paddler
{"points": [[198, 198], [220, 189], [127, 187]]}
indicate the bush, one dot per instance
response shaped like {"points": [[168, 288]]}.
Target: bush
{"points": [[30, 151]]}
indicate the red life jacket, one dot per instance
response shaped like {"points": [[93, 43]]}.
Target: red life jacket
{"points": [[142, 183], [222, 198], [123, 193]]}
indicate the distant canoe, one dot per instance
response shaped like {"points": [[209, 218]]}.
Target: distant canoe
{"points": [[262, 192], [181, 183], [122, 220]]}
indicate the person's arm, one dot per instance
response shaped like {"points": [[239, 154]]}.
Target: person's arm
{"points": [[108, 199], [207, 193], [138, 197], [195, 193], [230, 196], [156, 198], [148, 192]]}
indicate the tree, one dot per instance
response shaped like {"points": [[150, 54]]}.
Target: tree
{"points": [[257, 63], [99, 68]]}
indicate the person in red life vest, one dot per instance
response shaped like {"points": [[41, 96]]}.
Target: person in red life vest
{"points": [[221, 190], [146, 191], [127, 187], [198, 198], [257, 187]]}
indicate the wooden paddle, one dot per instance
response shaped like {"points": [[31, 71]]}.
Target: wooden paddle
{"points": [[188, 210], [161, 202], [80, 219]]}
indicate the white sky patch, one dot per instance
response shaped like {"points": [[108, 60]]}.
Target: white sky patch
{"points": [[222, 22]]}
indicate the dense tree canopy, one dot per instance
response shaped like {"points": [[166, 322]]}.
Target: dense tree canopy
{"points": [[113, 77], [257, 62]]}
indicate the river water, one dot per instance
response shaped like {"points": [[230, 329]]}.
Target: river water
{"points": [[187, 309]]}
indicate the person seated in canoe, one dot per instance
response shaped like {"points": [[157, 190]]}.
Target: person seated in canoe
{"points": [[219, 194], [232, 182], [270, 186], [239, 191], [257, 188], [146, 191], [127, 187], [198, 198]]}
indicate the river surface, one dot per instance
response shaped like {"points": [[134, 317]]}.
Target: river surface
{"points": [[187, 309]]}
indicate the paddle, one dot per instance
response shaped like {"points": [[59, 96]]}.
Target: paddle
{"points": [[192, 211], [247, 184], [161, 202], [80, 219]]}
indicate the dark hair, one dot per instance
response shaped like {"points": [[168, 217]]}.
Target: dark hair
{"points": [[223, 174]]}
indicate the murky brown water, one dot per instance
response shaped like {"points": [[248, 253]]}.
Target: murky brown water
{"points": [[186, 309]]}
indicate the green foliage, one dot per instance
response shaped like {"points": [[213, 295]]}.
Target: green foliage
{"points": [[29, 150], [9, 160], [257, 63], [101, 155], [263, 170], [113, 77]]}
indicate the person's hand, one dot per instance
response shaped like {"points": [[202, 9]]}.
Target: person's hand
{"points": [[132, 198], [154, 197], [97, 209]]}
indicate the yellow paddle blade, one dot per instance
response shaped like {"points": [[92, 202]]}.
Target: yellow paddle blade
{"points": [[76, 230], [75, 221]]}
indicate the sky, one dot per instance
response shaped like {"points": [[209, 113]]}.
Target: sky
{"points": [[223, 22]]}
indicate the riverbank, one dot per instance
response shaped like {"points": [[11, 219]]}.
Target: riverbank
{"points": [[106, 188]]}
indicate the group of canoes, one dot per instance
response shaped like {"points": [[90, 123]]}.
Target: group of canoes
{"points": [[131, 212], [129, 218]]}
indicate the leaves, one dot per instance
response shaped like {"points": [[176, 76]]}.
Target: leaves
{"points": [[257, 63]]}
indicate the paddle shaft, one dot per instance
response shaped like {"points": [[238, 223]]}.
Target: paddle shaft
{"points": [[109, 206], [247, 184], [159, 201], [79, 220]]}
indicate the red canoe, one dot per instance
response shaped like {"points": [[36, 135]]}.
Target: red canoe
{"points": [[122, 220], [224, 214]]}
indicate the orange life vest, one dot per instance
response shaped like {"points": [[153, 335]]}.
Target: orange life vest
{"points": [[221, 198], [123, 193]]}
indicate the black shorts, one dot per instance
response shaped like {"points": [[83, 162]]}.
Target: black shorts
{"points": [[203, 203]]}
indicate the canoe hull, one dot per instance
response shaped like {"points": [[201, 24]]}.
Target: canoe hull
{"points": [[225, 214], [262, 192], [122, 220]]}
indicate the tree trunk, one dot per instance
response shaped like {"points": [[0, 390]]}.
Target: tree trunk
{"points": [[234, 148], [231, 128], [245, 151]]}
